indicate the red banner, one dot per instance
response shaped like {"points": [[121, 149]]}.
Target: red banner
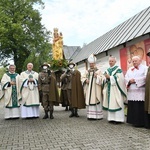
{"points": [[138, 49]]}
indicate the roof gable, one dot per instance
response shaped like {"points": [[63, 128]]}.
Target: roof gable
{"points": [[134, 27]]}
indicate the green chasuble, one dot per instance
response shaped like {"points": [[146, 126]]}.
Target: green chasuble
{"points": [[14, 91], [112, 72]]}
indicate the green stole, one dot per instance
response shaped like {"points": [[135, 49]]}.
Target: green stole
{"points": [[110, 71]]}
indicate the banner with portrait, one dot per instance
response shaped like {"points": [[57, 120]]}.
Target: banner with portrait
{"points": [[137, 49]]}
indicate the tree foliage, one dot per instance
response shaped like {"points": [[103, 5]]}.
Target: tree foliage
{"points": [[38, 58], [2, 71], [22, 36]]}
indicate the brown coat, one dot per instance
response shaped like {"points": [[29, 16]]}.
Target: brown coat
{"points": [[63, 94], [48, 84], [77, 94], [53, 94], [147, 92]]}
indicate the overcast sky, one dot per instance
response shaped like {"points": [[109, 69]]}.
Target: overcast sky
{"points": [[83, 21]]}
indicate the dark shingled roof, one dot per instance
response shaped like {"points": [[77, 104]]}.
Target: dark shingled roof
{"points": [[134, 27]]}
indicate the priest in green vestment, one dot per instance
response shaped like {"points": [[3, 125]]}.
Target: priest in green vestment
{"points": [[114, 92], [10, 86]]}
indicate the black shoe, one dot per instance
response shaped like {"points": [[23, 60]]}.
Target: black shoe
{"points": [[46, 114], [138, 126], [76, 115], [76, 112], [36, 117], [7, 118], [115, 122], [66, 108], [51, 114], [112, 122], [91, 119], [72, 115], [15, 118], [70, 108], [147, 127], [119, 122], [51, 117], [45, 117]]}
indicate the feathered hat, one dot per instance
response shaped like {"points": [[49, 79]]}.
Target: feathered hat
{"points": [[71, 63]]}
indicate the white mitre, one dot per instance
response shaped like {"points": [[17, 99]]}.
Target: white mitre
{"points": [[92, 59]]}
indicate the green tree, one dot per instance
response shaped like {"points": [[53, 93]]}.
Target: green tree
{"points": [[2, 71], [22, 35], [39, 58]]}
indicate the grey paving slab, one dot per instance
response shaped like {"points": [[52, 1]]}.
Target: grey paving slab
{"points": [[64, 133]]}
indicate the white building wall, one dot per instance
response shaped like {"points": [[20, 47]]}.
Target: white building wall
{"points": [[141, 38], [102, 59], [81, 67]]}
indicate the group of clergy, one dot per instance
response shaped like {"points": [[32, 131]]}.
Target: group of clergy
{"points": [[103, 91], [112, 90], [21, 95]]}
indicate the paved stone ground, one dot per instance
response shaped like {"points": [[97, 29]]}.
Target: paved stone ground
{"points": [[64, 133]]}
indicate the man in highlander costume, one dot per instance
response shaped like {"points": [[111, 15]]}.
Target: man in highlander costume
{"points": [[48, 90], [91, 80], [29, 93], [75, 92], [63, 94], [114, 92], [10, 86]]}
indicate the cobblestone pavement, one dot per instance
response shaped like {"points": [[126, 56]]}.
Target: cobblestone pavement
{"points": [[64, 133]]}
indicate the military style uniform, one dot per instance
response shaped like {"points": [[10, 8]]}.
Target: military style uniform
{"points": [[74, 90], [63, 94], [48, 92]]}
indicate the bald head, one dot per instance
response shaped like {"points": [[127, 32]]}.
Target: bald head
{"points": [[136, 60], [112, 61], [29, 66], [136, 57]]}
